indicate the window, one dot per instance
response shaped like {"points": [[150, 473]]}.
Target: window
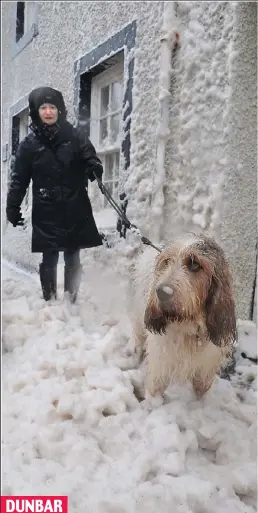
{"points": [[26, 24], [103, 105], [105, 122], [24, 123], [20, 128], [20, 20]]}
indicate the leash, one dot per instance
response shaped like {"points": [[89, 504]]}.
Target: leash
{"points": [[122, 215]]}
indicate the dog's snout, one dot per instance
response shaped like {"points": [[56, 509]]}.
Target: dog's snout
{"points": [[164, 292]]}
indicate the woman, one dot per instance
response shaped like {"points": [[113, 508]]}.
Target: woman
{"points": [[59, 162]]}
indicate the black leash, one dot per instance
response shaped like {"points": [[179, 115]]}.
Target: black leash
{"points": [[122, 215]]}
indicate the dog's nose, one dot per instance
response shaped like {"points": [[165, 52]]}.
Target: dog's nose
{"points": [[164, 292]]}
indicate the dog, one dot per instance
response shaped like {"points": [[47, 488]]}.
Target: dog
{"points": [[183, 313]]}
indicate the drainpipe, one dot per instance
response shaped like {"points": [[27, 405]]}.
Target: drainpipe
{"points": [[169, 39]]}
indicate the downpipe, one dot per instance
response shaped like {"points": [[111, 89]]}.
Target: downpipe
{"points": [[169, 40]]}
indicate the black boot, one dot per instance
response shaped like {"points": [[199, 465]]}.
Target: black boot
{"points": [[72, 280], [48, 279]]}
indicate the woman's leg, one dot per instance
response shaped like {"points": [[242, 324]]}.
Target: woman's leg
{"points": [[48, 273], [50, 258], [72, 273], [72, 257]]}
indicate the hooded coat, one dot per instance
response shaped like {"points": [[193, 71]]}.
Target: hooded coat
{"points": [[59, 162]]}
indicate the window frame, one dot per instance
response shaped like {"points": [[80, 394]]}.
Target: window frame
{"points": [[31, 23], [100, 81], [23, 117], [91, 64], [14, 112], [24, 123], [104, 79]]}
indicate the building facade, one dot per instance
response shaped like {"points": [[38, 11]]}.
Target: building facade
{"points": [[167, 92]]}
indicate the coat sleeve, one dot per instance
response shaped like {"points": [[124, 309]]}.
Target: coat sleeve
{"points": [[91, 161], [20, 177]]}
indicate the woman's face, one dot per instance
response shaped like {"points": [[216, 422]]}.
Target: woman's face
{"points": [[48, 113]]}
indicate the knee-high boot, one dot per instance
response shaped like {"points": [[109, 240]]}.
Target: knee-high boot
{"points": [[48, 279], [72, 280]]}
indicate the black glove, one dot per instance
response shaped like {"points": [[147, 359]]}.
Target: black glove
{"points": [[14, 217], [98, 172]]}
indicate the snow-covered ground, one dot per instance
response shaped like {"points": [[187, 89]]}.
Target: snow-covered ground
{"points": [[72, 423]]}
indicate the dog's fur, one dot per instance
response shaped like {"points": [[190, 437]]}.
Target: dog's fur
{"points": [[189, 335]]}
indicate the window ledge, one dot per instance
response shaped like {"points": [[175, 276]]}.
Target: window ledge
{"points": [[25, 39]]}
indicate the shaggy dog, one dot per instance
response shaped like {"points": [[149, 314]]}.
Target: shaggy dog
{"points": [[184, 313]]}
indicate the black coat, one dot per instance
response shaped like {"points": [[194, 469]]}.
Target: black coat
{"points": [[62, 215]]}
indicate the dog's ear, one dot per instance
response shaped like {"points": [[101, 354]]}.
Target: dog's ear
{"points": [[220, 308]]}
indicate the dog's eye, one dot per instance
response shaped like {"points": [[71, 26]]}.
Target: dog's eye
{"points": [[193, 265], [162, 264]]}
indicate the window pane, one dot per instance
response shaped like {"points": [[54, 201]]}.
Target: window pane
{"points": [[109, 188], [114, 128], [115, 190], [116, 96], [117, 163], [104, 101], [103, 130], [24, 124], [112, 166], [20, 20], [109, 165]]}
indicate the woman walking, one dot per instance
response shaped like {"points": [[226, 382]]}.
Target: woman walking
{"points": [[59, 163]]}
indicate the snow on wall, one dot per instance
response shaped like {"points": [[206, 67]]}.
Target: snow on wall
{"points": [[168, 43], [138, 185], [211, 152], [196, 152], [239, 222]]}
